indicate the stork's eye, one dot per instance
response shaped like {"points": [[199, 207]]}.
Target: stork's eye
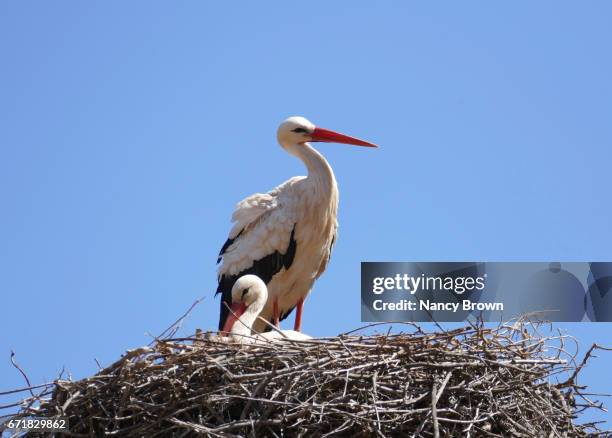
{"points": [[245, 291], [300, 130]]}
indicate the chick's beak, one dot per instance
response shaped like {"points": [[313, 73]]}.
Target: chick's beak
{"points": [[237, 309]]}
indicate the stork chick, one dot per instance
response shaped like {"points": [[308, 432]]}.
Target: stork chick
{"points": [[249, 296]]}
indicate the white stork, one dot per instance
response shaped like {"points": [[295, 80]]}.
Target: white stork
{"points": [[249, 296], [285, 236]]}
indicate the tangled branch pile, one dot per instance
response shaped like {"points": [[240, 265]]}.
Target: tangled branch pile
{"points": [[473, 381]]}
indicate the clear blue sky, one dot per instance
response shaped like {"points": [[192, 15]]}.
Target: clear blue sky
{"points": [[128, 131]]}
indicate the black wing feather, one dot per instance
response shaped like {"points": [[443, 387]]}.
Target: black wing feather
{"points": [[265, 268], [283, 316], [226, 245]]}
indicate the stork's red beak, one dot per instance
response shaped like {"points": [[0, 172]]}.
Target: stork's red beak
{"points": [[238, 309], [322, 134]]}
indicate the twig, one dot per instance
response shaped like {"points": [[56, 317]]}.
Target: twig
{"points": [[16, 365]]}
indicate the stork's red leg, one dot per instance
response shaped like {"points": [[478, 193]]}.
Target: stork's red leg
{"points": [[298, 316], [276, 314]]}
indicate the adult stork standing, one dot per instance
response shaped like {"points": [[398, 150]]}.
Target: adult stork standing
{"points": [[285, 236]]}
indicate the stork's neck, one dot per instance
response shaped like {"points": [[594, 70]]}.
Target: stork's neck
{"points": [[320, 173]]}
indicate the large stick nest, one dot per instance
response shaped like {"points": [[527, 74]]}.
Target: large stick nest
{"points": [[473, 381]]}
